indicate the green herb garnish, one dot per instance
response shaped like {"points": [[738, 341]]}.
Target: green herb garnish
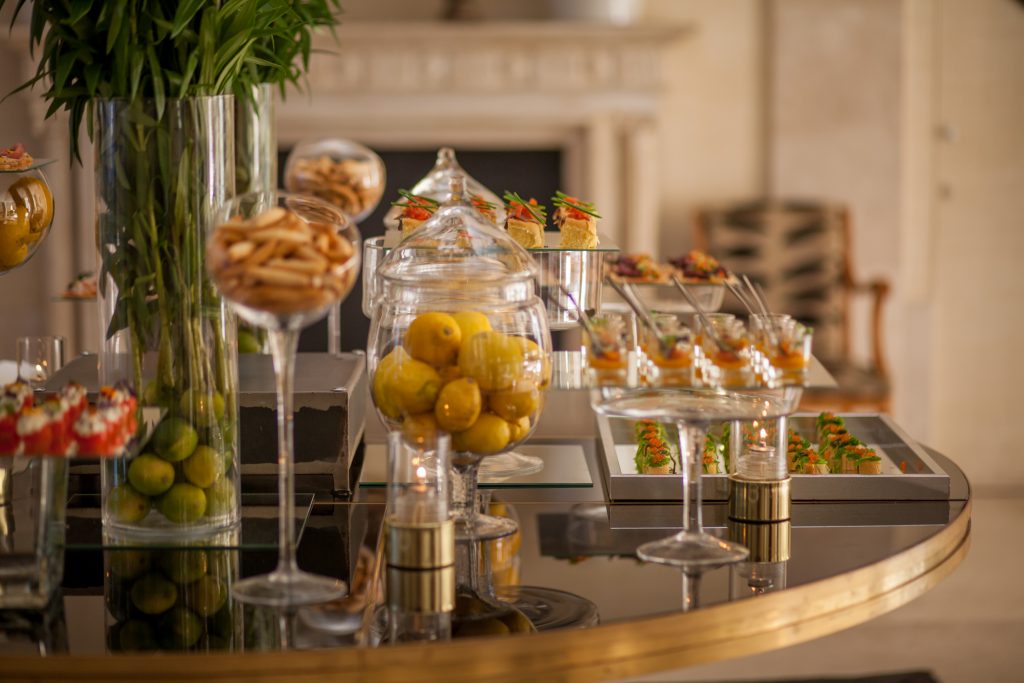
{"points": [[538, 211], [562, 199], [415, 200]]}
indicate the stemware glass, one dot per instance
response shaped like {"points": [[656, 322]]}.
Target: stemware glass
{"points": [[345, 174], [459, 342], [26, 213], [692, 410], [283, 309]]}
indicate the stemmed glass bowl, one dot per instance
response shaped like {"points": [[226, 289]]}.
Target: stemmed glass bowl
{"points": [[281, 261], [459, 342]]}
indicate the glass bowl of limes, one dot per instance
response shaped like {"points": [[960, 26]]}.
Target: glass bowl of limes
{"points": [[26, 213]]}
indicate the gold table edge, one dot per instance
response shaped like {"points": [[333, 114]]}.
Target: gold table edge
{"points": [[618, 650]]}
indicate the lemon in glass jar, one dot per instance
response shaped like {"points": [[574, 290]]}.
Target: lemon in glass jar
{"points": [[458, 405], [14, 236], [521, 401], [489, 434], [414, 386], [434, 338], [493, 359], [471, 322]]}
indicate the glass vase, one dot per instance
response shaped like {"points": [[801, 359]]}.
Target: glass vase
{"points": [[256, 141], [163, 168]]}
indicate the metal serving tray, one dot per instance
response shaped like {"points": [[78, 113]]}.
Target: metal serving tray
{"points": [[923, 479]]}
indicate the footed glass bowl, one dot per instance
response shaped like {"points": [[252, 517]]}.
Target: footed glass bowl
{"points": [[26, 214]]}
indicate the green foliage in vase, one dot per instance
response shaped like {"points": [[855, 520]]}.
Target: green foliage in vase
{"points": [[163, 49], [146, 76]]}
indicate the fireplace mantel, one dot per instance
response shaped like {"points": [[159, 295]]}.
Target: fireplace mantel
{"points": [[591, 90]]}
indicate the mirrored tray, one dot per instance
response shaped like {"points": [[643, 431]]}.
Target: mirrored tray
{"points": [[908, 473]]}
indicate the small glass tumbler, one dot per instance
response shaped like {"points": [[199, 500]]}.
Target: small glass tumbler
{"points": [[610, 350], [39, 358], [727, 349], [670, 353], [32, 530], [791, 355]]}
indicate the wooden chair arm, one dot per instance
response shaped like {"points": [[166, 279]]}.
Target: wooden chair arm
{"points": [[880, 290]]}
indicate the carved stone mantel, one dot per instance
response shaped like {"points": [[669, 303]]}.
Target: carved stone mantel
{"points": [[591, 90]]}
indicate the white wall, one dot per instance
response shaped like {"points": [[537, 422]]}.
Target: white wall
{"points": [[26, 306], [712, 146], [977, 275]]}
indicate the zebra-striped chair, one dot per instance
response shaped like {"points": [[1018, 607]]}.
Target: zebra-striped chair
{"points": [[799, 252]]}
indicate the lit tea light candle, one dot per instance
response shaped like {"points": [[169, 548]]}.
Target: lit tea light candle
{"points": [[417, 484]]}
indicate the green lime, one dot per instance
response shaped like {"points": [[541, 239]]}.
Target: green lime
{"points": [[151, 393], [180, 628], [205, 408], [220, 498], [248, 342], [174, 439], [128, 564], [203, 467], [206, 596], [125, 504], [183, 503], [136, 635], [223, 623], [150, 475], [183, 566], [153, 594]]}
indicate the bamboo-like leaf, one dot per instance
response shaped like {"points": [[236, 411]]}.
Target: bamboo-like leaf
{"points": [[79, 9], [116, 21], [119, 320], [136, 75], [185, 13], [157, 80]]}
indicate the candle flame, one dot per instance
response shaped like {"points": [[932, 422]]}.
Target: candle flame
{"points": [[764, 435], [421, 473]]}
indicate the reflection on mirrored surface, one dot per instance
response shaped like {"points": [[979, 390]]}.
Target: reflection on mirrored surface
{"points": [[177, 599], [555, 573]]}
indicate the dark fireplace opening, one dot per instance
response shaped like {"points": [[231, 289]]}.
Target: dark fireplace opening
{"points": [[530, 172]]}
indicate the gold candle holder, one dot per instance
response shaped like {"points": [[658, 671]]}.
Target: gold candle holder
{"points": [[419, 550], [759, 500]]}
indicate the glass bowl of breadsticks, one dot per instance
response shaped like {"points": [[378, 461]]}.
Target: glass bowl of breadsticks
{"points": [[343, 173]]}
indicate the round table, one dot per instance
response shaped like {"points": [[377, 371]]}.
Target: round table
{"points": [[850, 562]]}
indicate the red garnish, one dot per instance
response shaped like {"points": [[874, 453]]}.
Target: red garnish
{"points": [[15, 152]]}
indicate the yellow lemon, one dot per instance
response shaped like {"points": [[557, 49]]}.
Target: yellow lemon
{"points": [[415, 386], [489, 434], [458, 405], [14, 237], [449, 373], [420, 429], [518, 429], [34, 195], [538, 362], [516, 403], [433, 338], [493, 359], [383, 395], [471, 322]]}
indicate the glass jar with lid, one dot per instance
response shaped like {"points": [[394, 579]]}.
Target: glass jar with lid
{"points": [[459, 342], [435, 185]]}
